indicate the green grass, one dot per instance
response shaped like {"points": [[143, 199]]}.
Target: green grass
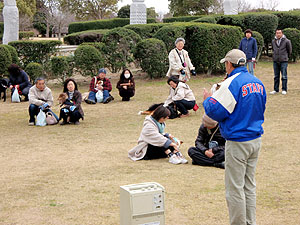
{"points": [[72, 174]]}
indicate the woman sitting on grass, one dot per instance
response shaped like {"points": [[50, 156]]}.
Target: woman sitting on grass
{"points": [[181, 95], [126, 85], [153, 143]]}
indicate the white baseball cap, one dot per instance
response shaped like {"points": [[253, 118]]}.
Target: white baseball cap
{"points": [[235, 56]]}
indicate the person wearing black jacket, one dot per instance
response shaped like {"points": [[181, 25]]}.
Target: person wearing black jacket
{"points": [[18, 78], [209, 145]]}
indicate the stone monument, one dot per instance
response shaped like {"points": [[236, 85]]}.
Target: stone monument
{"points": [[11, 21], [138, 12], [230, 7]]}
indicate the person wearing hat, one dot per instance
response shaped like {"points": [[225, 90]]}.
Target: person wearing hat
{"points": [[100, 83], [180, 64], [209, 145], [249, 46], [239, 107]]}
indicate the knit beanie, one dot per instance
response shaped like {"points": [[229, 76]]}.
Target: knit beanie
{"points": [[102, 70], [208, 122]]}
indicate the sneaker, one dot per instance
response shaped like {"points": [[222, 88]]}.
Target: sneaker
{"points": [[181, 157], [89, 101], [283, 92], [108, 99], [174, 159], [31, 124], [273, 92]]}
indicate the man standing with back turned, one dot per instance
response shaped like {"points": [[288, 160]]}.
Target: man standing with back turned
{"points": [[239, 107]]}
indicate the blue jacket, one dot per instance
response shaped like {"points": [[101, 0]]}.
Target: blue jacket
{"points": [[249, 47], [21, 80], [238, 106]]}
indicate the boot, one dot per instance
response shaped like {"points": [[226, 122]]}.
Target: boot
{"points": [[220, 165]]}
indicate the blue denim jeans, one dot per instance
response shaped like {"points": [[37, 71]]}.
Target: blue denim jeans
{"points": [[250, 67], [280, 67], [92, 95], [183, 106]]}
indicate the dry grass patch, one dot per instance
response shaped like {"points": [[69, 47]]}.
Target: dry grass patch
{"points": [[71, 174]]}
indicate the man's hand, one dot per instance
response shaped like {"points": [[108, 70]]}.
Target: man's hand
{"points": [[125, 87], [209, 153], [11, 87], [206, 94]]}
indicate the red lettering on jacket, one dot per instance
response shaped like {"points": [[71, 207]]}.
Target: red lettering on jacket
{"points": [[249, 86], [245, 92], [261, 89], [254, 88]]}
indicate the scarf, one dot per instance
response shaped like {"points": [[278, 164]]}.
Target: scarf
{"points": [[161, 126], [71, 95]]}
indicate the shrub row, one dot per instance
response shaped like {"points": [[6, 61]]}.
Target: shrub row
{"points": [[26, 34], [145, 30], [35, 51], [84, 36], [288, 19], [181, 19], [101, 24]]}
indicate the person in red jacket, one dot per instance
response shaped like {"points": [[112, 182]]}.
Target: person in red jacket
{"points": [[100, 83]]}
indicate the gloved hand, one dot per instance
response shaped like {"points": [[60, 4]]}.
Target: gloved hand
{"points": [[193, 72], [65, 110], [72, 108], [44, 106], [182, 71]]}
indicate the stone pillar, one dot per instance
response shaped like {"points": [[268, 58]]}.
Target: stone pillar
{"points": [[230, 7], [11, 21], [138, 12]]}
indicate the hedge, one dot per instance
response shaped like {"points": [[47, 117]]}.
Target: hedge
{"points": [[34, 70], [293, 35], [35, 51], [260, 43], [181, 19], [5, 59], [206, 19], [26, 34], [169, 34], [288, 19], [100, 47], [206, 43], [88, 60], [119, 47], [84, 36], [152, 55], [263, 23], [13, 54], [101, 24], [145, 30]]}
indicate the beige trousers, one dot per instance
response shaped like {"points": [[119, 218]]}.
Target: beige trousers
{"points": [[240, 164]]}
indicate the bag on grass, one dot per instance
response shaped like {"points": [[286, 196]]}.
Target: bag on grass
{"points": [[41, 119], [50, 118], [99, 96], [15, 96]]}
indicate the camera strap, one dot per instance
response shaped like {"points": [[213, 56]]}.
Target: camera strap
{"points": [[182, 62], [214, 133]]}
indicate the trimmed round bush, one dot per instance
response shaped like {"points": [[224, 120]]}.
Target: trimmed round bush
{"points": [[260, 43], [145, 30], [169, 34], [34, 70], [293, 35], [100, 47], [5, 59], [88, 60], [85, 36], [13, 54], [152, 56], [62, 67], [119, 47]]}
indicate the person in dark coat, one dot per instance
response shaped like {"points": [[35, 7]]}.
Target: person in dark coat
{"points": [[209, 145], [249, 46], [126, 85], [71, 89], [18, 78]]}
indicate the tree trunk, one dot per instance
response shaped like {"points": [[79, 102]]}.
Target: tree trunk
{"points": [[47, 30]]}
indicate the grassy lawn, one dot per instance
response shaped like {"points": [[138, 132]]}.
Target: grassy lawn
{"points": [[71, 174]]}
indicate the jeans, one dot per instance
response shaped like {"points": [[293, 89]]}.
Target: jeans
{"points": [[250, 67], [183, 106], [280, 67], [92, 95]]}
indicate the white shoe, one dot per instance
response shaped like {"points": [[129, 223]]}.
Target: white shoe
{"points": [[182, 159], [174, 159], [283, 92], [273, 92], [31, 124]]}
